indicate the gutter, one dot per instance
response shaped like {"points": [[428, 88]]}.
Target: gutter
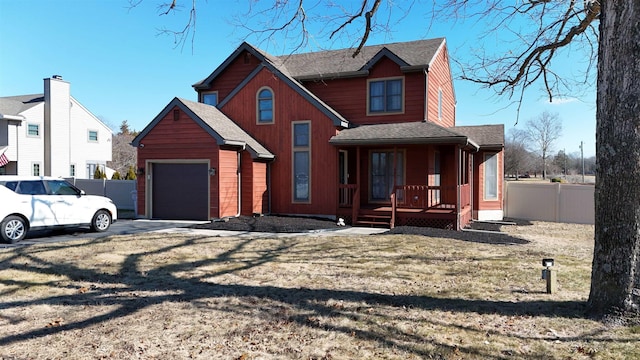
{"points": [[399, 141], [12, 117]]}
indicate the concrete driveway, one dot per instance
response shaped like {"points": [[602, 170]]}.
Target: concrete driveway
{"points": [[126, 227], [120, 227]]}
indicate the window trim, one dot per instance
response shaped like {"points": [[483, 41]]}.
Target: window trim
{"points": [[403, 173], [273, 110], [294, 150], [486, 157], [89, 131], [203, 94], [33, 168], [38, 129], [385, 112]]}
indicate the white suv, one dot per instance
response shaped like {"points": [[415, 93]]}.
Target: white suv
{"points": [[37, 202]]}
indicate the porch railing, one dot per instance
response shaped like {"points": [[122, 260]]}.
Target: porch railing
{"points": [[346, 194], [425, 197]]}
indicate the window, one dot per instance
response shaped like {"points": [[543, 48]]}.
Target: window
{"points": [[265, 106], [301, 161], [439, 104], [385, 96], [35, 169], [61, 187], [382, 171], [72, 170], [491, 176], [91, 169], [33, 130], [210, 98], [31, 188], [92, 136]]}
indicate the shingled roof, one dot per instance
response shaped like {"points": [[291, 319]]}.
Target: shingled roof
{"points": [[14, 105], [401, 133], [476, 137], [486, 136], [217, 124], [411, 55]]}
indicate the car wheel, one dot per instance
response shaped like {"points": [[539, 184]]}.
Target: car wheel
{"points": [[101, 221], [13, 229]]}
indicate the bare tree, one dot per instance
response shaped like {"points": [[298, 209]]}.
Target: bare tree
{"points": [[516, 157], [542, 133], [123, 154], [607, 32]]}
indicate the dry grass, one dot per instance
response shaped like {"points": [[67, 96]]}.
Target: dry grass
{"points": [[160, 296]]}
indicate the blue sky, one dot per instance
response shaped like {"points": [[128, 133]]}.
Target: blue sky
{"points": [[120, 68]]}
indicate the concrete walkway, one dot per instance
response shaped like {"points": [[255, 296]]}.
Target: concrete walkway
{"points": [[345, 231]]}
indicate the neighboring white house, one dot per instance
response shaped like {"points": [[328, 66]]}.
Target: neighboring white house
{"points": [[51, 134]]}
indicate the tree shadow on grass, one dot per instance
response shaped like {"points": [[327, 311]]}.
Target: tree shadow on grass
{"points": [[164, 280]]}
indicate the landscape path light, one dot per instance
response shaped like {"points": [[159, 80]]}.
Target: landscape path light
{"points": [[549, 274]]}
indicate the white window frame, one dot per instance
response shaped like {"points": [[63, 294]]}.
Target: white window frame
{"points": [[89, 131], [488, 196], [385, 80], [300, 149], [36, 169], [37, 130], [273, 102]]}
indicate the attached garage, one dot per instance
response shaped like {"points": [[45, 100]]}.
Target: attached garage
{"points": [[190, 165], [180, 191]]}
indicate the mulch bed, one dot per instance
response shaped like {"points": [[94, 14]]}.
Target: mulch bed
{"points": [[278, 224], [490, 232]]}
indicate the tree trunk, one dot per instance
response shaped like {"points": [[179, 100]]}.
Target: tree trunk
{"points": [[615, 278]]}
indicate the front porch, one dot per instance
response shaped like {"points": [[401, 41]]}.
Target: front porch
{"points": [[447, 207]]}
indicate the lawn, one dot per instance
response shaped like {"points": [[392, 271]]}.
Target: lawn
{"points": [[393, 296]]}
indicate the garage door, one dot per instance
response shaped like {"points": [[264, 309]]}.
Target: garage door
{"points": [[180, 191]]}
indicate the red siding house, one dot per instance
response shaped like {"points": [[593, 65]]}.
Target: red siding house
{"points": [[371, 139]]}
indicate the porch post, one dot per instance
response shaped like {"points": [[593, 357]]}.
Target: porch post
{"points": [[395, 166]]}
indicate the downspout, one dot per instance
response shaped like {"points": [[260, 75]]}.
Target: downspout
{"points": [[239, 174], [269, 188], [471, 182]]}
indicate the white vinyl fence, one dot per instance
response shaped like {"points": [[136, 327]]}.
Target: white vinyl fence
{"points": [[122, 192], [555, 202]]}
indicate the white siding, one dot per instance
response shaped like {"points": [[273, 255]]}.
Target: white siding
{"points": [[82, 150], [63, 141], [29, 149]]}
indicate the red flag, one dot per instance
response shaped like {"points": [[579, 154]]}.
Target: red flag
{"points": [[3, 160]]}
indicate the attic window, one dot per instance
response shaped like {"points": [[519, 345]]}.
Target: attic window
{"points": [[176, 115], [247, 58], [265, 106]]}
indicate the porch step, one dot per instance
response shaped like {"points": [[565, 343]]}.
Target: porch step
{"points": [[374, 220]]}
